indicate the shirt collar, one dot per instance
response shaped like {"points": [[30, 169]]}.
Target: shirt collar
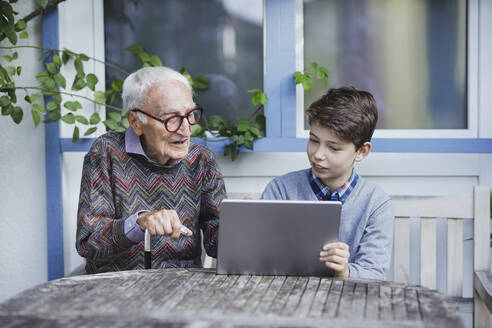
{"points": [[322, 192], [133, 145]]}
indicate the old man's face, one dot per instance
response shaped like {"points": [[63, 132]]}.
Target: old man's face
{"points": [[163, 100]]}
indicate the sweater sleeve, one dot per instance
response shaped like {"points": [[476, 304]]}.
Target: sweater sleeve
{"points": [[272, 191], [213, 192], [373, 258], [100, 235]]}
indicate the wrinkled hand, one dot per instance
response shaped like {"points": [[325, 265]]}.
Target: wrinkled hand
{"points": [[163, 222], [335, 256]]}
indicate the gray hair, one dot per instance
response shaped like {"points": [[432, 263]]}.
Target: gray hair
{"points": [[137, 83]]}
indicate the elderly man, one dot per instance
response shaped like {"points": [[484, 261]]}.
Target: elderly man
{"points": [[150, 177]]}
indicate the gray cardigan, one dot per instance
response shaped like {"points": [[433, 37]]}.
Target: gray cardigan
{"points": [[366, 223]]}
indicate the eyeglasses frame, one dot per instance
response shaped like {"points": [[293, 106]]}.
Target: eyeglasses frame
{"points": [[182, 117]]}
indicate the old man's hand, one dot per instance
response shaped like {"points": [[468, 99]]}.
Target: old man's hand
{"points": [[335, 256], [163, 222]]}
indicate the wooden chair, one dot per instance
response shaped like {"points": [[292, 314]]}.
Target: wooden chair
{"points": [[434, 245]]}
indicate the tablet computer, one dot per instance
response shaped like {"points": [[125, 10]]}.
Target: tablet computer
{"points": [[276, 237]]}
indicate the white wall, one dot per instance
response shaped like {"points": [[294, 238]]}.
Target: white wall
{"points": [[23, 241]]}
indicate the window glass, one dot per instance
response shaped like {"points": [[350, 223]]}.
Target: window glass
{"points": [[219, 39], [411, 55]]}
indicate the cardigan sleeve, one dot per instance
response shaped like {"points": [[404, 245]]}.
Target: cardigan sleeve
{"points": [[213, 192], [373, 256], [100, 235]]}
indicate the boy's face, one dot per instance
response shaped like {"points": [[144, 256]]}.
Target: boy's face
{"points": [[331, 158]]}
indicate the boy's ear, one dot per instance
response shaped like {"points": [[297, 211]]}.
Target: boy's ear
{"points": [[135, 123], [363, 151]]}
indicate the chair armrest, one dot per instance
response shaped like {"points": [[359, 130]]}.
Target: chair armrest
{"points": [[483, 286]]}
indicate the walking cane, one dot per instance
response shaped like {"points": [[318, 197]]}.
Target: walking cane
{"points": [[147, 250]]}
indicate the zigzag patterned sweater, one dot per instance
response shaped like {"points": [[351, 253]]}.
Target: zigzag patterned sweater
{"points": [[116, 184]]}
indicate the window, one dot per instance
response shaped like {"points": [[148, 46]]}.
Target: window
{"points": [[411, 55], [217, 39]]}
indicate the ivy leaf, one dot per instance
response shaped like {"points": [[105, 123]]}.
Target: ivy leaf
{"points": [[117, 85], [11, 35], [125, 123], [66, 56], [135, 49], [68, 118], [72, 105], [243, 125], [20, 25], [307, 83], [7, 58], [35, 97], [6, 110], [240, 140], [197, 131], [51, 67], [215, 121], [200, 83], [35, 117], [19, 70], [42, 3], [100, 97], [17, 114], [91, 81], [248, 136], [75, 135], [248, 144], [259, 97], [115, 116], [155, 61], [255, 131], [94, 119], [57, 98], [144, 57], [112, 125], [90, 131], [79, 67], [54, 116], [57, 60], [4, 101], [83, 57], [81, 119], [52, 106], [60, 80], [23, 35], [78, 84], [38, 108], [313, 69]]}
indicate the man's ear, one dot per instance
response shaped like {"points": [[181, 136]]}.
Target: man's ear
{"points": [[135, 123], [363, 151]]}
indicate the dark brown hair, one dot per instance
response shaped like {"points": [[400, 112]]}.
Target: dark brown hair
{"points": [[349, 113]]}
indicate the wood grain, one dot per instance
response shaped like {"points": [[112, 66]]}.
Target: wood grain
{"points": [[200, 298]]}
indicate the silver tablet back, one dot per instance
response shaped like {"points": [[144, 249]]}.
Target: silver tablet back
{"points": [[273, 237]]}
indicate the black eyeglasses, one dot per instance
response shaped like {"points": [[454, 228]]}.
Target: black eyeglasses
{"points": [[173, 123]]}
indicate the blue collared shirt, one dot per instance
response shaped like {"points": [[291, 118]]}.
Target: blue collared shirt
{"points": [[341, 194]]}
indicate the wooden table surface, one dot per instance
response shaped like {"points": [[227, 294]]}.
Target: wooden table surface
{"points": [[200, 298]]}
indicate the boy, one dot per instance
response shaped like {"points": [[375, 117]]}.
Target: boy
{"points": [[342, 123]]}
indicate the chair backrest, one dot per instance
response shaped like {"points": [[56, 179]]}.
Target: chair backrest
{"points": [[440, 241]]}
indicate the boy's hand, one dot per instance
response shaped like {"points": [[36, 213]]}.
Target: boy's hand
{"points": [[335, 256]]}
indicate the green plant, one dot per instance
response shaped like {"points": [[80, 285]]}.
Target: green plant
{"points": [[306, 78], [241, 133], [54, 84]]}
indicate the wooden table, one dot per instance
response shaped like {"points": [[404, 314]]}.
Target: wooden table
{"points": [[200, 298]]}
